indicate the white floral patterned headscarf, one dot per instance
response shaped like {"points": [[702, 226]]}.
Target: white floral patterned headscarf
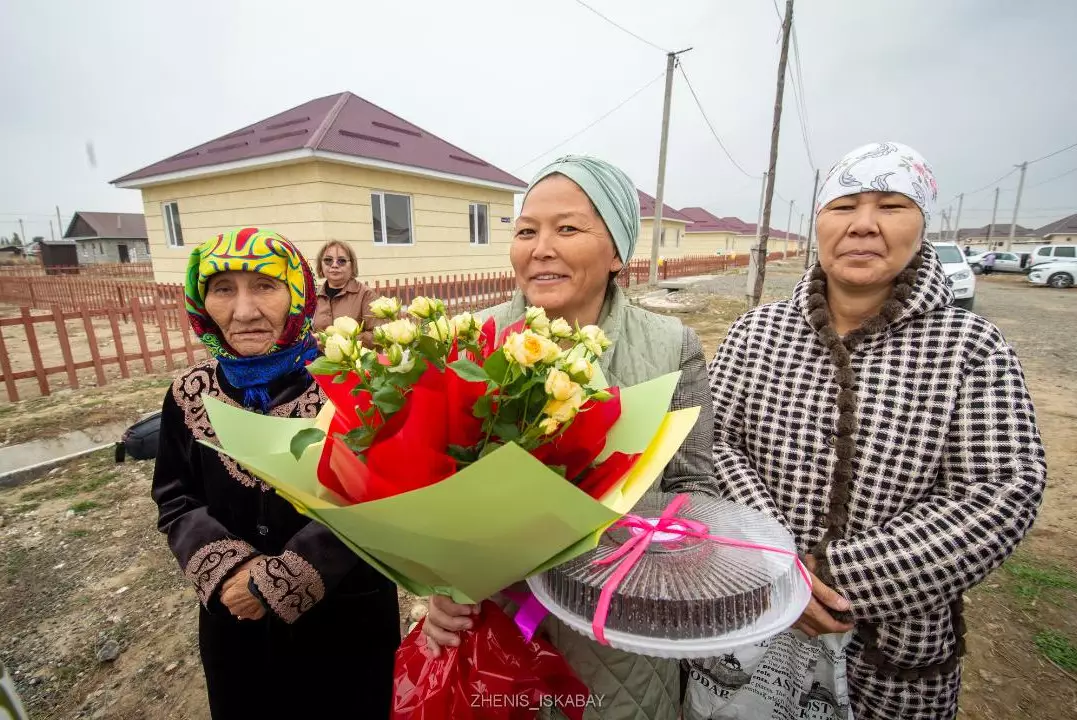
{"points": [[882, 167]]}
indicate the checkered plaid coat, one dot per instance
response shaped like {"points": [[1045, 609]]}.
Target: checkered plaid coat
{"points": [[948, 471]]}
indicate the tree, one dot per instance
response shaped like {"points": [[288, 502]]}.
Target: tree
{"points": [[4, 241], [16, 240], [39, 239]]}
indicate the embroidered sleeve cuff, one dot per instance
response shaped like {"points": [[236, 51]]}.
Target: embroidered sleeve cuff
{"points": [[288, 584], [212, 563]]}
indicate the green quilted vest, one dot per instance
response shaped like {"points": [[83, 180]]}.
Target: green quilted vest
{"points": [[623, 686]]}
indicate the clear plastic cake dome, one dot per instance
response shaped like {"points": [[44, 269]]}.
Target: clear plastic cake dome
{"points": [[685, 597]]}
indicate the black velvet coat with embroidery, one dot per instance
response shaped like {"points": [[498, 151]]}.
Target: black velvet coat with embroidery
{"points": [[217, 516]]}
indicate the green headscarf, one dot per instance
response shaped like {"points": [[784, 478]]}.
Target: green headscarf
{"points": [[613, 194]]}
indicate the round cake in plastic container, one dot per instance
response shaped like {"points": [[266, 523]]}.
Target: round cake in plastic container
{"points": [[686, 597]]}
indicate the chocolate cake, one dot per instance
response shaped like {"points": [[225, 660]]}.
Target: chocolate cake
{"points": [[681, 588]]}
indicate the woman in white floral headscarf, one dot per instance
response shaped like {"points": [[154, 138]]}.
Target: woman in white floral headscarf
{"points": [[893, 435]]}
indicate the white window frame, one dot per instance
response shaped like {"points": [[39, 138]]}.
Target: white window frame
{"points": [[169, 219], [472, 213], [380, 195]]}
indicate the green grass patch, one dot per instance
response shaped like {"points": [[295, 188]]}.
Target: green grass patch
{"points": [[84, 506], [1031, 582], [98, 481], [76, 534], [1057, 648], [24, 507]]}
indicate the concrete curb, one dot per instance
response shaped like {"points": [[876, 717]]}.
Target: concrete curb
{"points": [[15, 478]]}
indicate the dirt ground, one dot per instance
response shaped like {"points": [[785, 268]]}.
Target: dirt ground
{"points": [[81, 561], [18, 349]]}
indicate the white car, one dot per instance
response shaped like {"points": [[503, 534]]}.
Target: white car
{"points": [[958, 273], [1057, 274], [1051, 253]]}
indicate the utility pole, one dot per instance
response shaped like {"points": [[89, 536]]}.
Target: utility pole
{"points": [[957, 221], [22, 234], [800, 233], [52, 235], [991, 227], [755, 291], [59, 222], [788, 229], [811, 221], [1016, 205], [671, 63]]}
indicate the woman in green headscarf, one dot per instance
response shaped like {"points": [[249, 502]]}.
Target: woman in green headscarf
{"points": [[576, 231]]}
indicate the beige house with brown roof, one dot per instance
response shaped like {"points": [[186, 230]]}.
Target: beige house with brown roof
{"points": [[338, 167]]}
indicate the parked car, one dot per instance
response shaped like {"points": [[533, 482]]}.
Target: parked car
{"points": [[1008, 262], [1050, 253], [958, 273], [1057, 274]]}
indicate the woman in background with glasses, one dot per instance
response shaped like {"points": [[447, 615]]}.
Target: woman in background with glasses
{"points": [[342, 294]]}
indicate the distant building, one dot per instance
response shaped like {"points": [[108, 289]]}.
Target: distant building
{"points": [[338, 167], [1062, 231], [711, 234], [104, 237], [671, 241]]}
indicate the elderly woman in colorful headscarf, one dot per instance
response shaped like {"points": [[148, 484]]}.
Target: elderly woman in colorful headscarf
{"points": [[893, 435], [576, 231], [291, 622]]}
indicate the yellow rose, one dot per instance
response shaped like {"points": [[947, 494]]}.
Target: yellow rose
{"points": [[386, 308], [560, 328], [549, 426], [535, 319], [400, 360], [421, 307], [564, 410], [592, 338], [401, 332], [581, 370], [345, 326], [559, 385], [467, 326], [339, 348], [528, 348], [441, 330]]}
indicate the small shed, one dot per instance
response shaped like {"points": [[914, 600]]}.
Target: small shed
{"points": [[59, 257]]}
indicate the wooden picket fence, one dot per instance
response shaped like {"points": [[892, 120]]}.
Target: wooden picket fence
{"points": [[133, 343], [125, 327], [139, 270]]}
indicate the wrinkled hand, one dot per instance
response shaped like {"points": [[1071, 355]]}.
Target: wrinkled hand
{"points": [[816, 619], [444, 620], [237, 597]]}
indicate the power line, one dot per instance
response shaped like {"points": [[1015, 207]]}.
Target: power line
{"points": [[619, 105], [711, 126], [1056, 177], [621, 27], [1056, 152]]}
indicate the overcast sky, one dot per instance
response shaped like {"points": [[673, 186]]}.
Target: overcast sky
{"points": [[976, 85]]}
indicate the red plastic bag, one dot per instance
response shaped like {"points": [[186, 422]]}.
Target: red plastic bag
{"points": [[494, 674]]}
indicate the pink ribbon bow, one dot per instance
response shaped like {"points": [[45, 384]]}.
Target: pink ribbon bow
{"points": [[670, 530]]}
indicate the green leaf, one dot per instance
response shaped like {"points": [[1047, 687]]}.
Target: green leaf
{"points": [[431, 348], [464, 455], [341, 378], [369, 361], [507, 431], [359, 439], [304, 439], [324, 366], [388, 399], [488, 448], [469, 371], [496, 367], [482, 407]]}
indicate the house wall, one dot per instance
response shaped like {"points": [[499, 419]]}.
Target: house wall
{"points": [[1060, 240], [107, 250], [312, 202], [675, 245]]}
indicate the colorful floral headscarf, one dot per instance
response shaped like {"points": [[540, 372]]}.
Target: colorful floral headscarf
{"points": [[269, 253], [882, 167]]}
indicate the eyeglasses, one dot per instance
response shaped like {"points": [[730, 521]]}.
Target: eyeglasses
{"points": [[339, 262]]}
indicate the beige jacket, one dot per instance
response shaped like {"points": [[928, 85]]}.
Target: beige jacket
{"points": [[352, 301]]}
